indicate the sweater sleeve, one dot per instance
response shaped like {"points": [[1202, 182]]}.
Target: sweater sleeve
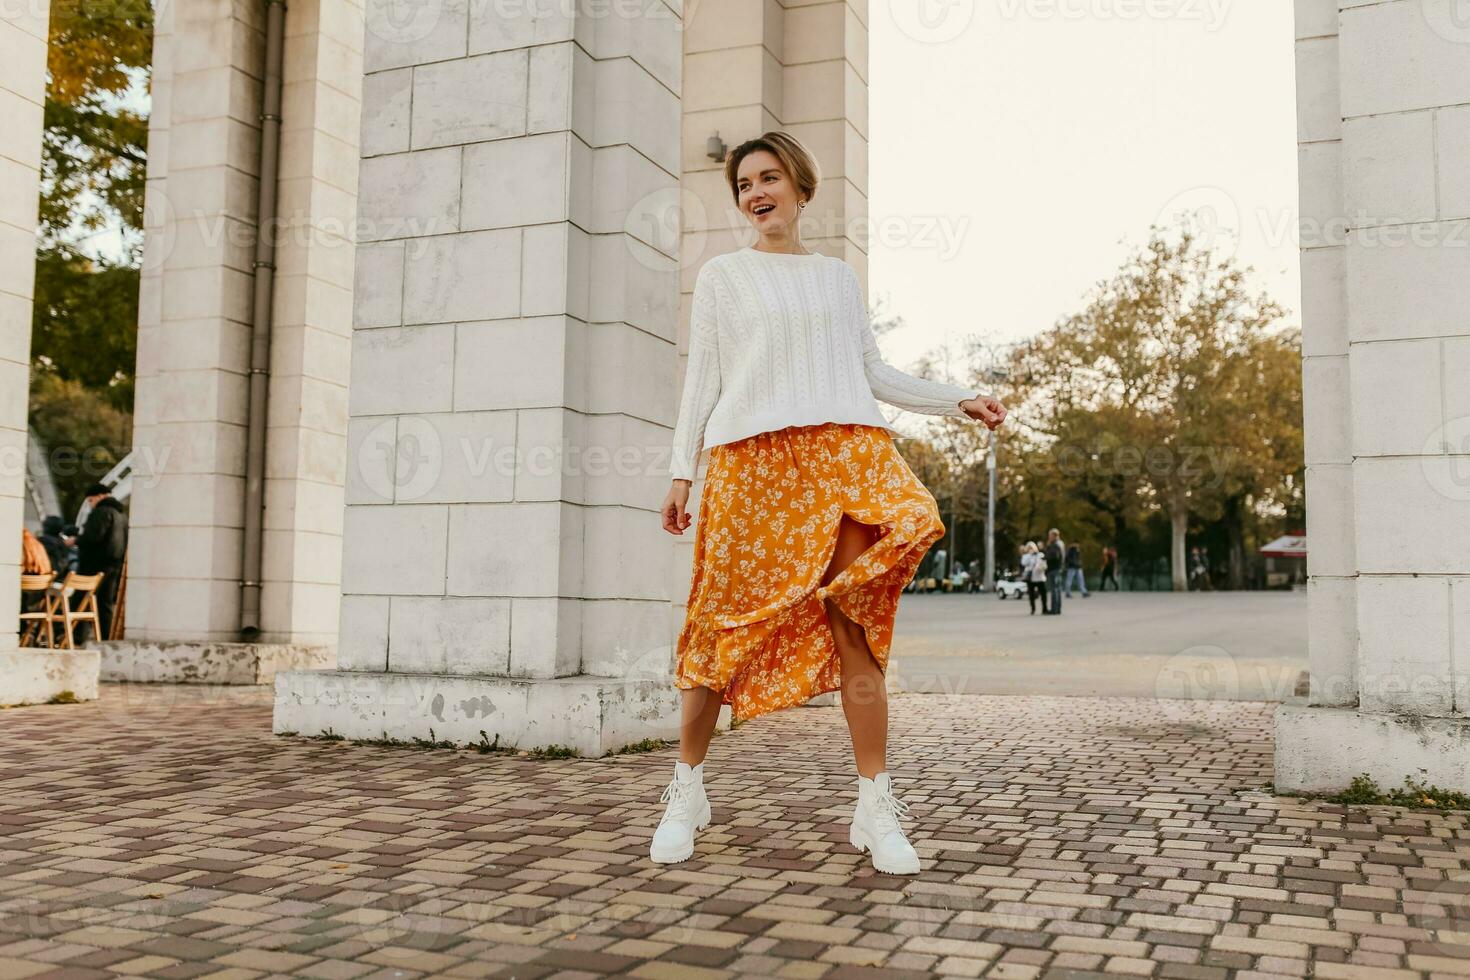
{"points": [[701, 379], [895, 387]]}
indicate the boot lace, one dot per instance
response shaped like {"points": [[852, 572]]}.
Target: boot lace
{"points": [[888, 810], [680, 797]]}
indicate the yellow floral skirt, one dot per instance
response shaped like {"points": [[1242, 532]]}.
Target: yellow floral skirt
{"points": [[756, 627]]}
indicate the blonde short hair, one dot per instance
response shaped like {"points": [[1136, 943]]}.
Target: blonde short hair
{"points": [[796, 160]]}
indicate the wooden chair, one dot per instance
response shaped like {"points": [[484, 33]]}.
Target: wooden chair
{"points": [[86, 611], [31, 622]]}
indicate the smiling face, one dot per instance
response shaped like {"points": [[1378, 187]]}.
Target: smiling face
{"points": [[768, 197]]}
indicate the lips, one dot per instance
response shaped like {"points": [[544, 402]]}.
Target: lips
{"points": [[761, 209]]}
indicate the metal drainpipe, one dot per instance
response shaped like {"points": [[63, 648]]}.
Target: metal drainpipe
{"points": [[260, 327]]}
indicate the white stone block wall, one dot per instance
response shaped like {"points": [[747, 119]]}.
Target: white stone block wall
{"points": [[311, 336], [22, 94], [1332, 566], [512, 350], [1382, 89], [194, 322], [1405, 71]]}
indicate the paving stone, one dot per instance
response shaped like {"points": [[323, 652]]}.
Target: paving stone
{"points": [[164, 832]]}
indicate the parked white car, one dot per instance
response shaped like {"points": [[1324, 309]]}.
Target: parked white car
{"points": [[1010, 588]]}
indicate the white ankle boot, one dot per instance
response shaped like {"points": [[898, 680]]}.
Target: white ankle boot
{"points": [[687, 811], [875, 827]]}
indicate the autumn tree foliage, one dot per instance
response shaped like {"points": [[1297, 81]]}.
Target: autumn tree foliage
{"points": [[1177, 388]]}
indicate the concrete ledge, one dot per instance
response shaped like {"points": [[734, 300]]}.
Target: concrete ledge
{"points": [[1320, 750], [593, 715], [186, 662], [35, 676]]}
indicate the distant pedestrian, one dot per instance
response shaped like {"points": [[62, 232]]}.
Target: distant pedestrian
{"points": [[1199, 571], [1033, 573], [1055, 554], [1109, 569], [1074, 572]]}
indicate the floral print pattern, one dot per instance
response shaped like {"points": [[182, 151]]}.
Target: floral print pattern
{"points": [[756, 627]]}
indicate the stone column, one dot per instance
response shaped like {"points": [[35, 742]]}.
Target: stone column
{"points": [[504, 570], [824, 103], [27, 676], [184, 589], [1388, 416], [193, 323], [311, 332]]}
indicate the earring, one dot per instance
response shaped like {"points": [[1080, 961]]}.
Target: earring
{"points": [[802, 204]]}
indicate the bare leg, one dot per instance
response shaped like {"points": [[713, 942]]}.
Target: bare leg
{"points": [[701, 712], [864, 693]]}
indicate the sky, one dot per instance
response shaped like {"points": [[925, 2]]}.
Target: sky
{"points": [[1018, 148]]}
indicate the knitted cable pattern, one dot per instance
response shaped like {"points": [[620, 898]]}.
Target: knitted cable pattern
{"points": [[778, 340]]}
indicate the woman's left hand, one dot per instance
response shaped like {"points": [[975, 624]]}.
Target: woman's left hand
{"points": [[986, 409]]}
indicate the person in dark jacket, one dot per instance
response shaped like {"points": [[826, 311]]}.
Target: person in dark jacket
{"points": [[53, 540], [1109, 569], [1074, 573], [100, 548], [1056, 557]]}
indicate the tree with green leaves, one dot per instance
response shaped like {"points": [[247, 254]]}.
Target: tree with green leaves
{"points": [[93, 170], [1153, 396]]}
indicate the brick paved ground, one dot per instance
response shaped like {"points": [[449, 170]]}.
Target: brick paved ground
{"points": [[163, 832]]}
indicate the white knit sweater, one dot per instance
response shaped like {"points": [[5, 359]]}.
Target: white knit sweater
{"points": [[779, 339]]}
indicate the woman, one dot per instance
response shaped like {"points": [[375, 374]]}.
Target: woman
{"points": [[810, 520], [1033, 573]]}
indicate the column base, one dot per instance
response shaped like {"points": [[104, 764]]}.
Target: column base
{"points": [[1320, 749], [593, 715], [206, 662], [35, 676]]}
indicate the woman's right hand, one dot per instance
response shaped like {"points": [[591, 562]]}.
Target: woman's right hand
{"points": [[676, 514]]}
